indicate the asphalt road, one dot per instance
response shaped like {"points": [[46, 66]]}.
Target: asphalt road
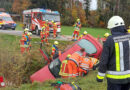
{"points": [[19, 33]]}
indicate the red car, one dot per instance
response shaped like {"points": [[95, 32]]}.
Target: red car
{"points": [[51, 71]]}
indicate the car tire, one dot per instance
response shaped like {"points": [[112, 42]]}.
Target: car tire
{"points": [[13, 28], [37, 31]]}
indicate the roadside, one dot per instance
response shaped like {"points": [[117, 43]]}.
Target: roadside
{"points": [[19, 33]]}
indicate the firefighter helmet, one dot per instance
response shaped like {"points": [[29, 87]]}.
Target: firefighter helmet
{"points": [[115, 21], [78, 20], [26, 29], [52, 21], [85, 32], [106, 35], [43, 27], [29, 34], [56, 42], [68, 55]]}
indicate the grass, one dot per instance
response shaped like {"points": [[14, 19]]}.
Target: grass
{"points": [[19, 26], [86, 83], [68, 30]]}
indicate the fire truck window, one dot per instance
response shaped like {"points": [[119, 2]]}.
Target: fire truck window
{"points": [[43, 18], [39, 16], [34, 15]]}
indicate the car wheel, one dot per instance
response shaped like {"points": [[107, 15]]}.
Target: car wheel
{"points": [[13, 28], [37, 31]]}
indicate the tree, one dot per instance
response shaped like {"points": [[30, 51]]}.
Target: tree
{"points": [[16, 7], [20, 5], [87, 8]]}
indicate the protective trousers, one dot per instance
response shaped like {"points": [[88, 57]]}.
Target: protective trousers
{"points": [[111, 86], [54, 33], [75, 34]]}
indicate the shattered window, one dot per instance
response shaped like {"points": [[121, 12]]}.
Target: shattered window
{"points": [[88, 46], [55, 67]]}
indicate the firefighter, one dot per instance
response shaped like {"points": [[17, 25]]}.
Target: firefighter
{"points": [[46, 32], [29, 41], [26, 31], [23, 40], [115, 58], [55, 50], [22, 46], [54, 30], [42, 34], [73, 63], [77, 27], [106, 35], [64, 68], [84, 67], [84, 33]]}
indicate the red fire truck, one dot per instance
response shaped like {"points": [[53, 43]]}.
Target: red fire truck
{"points": [[34, 19]]}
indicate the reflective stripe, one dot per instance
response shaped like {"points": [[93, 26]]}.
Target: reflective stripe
{"points": [[117, 57], [118, 76], [101, 74], [74, 61], [121, 38], [24, 45], [118, 73], [121, 56], [129, 54], [100, 77], [77, 74], [85, 68]]}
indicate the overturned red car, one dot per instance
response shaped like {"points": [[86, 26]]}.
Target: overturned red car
{"points": [[51, 71]]}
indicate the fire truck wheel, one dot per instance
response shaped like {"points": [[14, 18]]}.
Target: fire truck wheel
{"points": [[37, 31]]}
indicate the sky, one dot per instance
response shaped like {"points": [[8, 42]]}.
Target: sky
{"points": [[93, 4]]}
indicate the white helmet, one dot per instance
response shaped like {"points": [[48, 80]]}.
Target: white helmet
{"points": [[56, 42], [115, 21], [26, 29]]}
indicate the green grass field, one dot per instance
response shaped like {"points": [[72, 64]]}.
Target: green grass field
{"points": [[86, 83], [68, 30]]}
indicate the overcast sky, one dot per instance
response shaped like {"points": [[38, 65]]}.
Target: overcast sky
{"points": [[93, 4]]}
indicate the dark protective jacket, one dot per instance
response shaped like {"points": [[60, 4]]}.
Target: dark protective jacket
{"points": [[115, 58]]}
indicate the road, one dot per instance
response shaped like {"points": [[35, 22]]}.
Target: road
{"points": [[19, 33]]}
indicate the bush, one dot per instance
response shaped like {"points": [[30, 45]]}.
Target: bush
{"points": [[15, 67]]}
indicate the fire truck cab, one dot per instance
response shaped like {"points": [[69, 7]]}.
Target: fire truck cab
{"points": [[34, 19]]}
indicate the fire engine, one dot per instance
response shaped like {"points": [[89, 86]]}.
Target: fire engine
{"points": [[34, 19]]}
